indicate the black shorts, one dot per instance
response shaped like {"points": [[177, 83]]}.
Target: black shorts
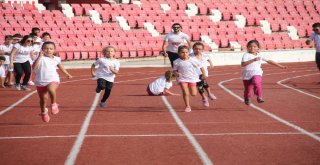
{"points": [[318, 60]]}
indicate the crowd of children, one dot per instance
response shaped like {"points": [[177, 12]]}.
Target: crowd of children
{"points": [[22, 54]]}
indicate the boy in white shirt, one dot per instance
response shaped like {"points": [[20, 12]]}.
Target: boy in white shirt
{"points": [[108, 67]]}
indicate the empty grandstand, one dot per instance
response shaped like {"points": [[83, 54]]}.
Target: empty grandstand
{"points": [[136, 28]]}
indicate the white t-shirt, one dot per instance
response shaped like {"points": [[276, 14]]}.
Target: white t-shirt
{"points": [[175, 40], [254, 68], [46, 72], [316, 38], [158, 86], [23, 53], [2, 72], [6, 48], [104, 71], [187, 69], [203, 62]]}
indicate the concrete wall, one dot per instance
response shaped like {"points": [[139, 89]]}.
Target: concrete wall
{"points": [[234, 58]]}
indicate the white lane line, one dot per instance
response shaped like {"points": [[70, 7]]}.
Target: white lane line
{"points": [[280, 83], [202, 154], [17, 103], [270, 114], [154, 135], [78, 143]]}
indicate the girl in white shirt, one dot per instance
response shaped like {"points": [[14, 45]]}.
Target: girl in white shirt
{"points": [[186, 70], [161, 85], [47, 79], [108, 67], [20, 60], [252, 71], [202, 84]]}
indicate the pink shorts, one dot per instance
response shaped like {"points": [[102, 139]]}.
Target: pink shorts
{"points": [[44, 89], [189, 84]]}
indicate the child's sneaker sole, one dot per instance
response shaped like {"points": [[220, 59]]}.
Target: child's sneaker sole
{"points": [[45, 117], [54, 109]]}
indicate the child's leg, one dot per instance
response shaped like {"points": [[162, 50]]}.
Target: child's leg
{"points": [[2, 82], [208, 90], [43, 95], [52, 87], [247, 89], [200, 86], [107, 91], [257, 83], [186, 93]]}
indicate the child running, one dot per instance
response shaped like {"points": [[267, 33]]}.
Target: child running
{"points": [[202, 84], [162, 85], [252, 71], [108, 67], [47, 79], [186, 70]]}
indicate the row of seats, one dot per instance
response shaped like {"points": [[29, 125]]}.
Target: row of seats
{"points": [[81, 33]]}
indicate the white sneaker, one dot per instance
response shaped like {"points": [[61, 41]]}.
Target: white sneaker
{"points": [[25, 88], [31, 83], [18, 87]]}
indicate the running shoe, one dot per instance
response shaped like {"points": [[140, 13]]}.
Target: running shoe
{"points": [[18, 87], [25, 88], [102, 105], [188, 109], [247, 101], [260, 100], [205, 103], [30, 83], [54, 108], [212, 96], [45, 116]]}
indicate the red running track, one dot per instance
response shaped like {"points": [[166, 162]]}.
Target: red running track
{"points": [[139, 129]]}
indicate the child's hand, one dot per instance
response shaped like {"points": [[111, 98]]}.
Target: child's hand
{"points": [[69, 76]]}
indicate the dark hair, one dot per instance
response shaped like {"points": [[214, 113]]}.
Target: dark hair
{"points": [[8, 37], [33, 30], [48, 43], [2, 58], [316, 25], [253, 41], [182, 47], [107, 47], [25, 38], [17, 35], [33, 35], [197, 44], [45, 34], [176, 24]]}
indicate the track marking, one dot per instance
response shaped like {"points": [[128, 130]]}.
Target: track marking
{"points": [[202, 154], [78, 143], [155, 135], [280, 83], [17, 103], [315, 137]]}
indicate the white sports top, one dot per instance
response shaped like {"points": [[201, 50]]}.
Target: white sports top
{"points": [[187, 69], [254, 68], [175, 40], [46, 72], [158, 86], [103, 70], [5, 48], [23, 53]]}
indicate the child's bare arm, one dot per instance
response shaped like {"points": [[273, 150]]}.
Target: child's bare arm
{"points": [[211, 63], [93, 70], [60, 66], [36, 62], [113, 70], [171, 93], [243, 64], [276, 64]]}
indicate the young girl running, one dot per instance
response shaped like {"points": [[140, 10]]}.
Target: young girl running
{"points": [[162, 85], [202, 84], [47, 79], [108, 67], [186, 70], [252, 71]]}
